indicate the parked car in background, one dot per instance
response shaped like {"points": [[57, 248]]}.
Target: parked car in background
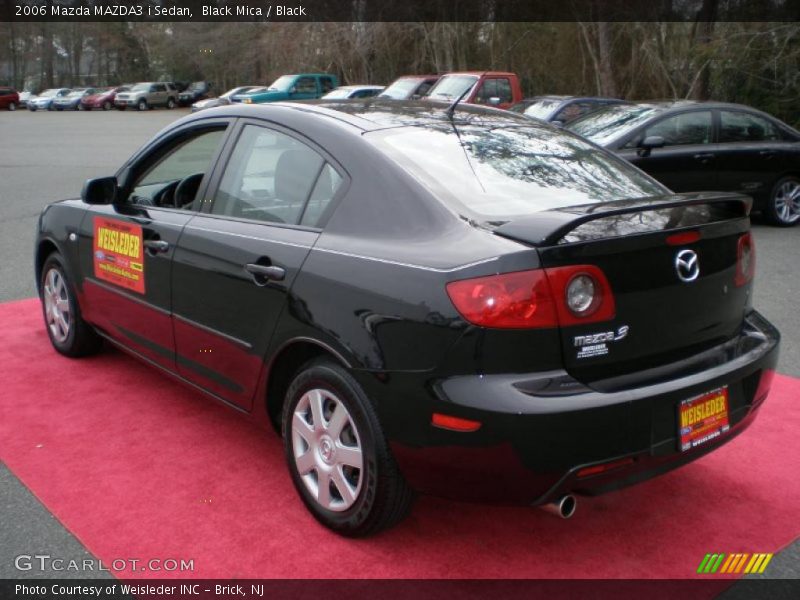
{"points": [[303, 86], [350, 92], [44, 101], [561, 109], [24, 96], [694, 146], [102, 98], [147, 95], [72, 101], [197, 90], [491, 88], [9, 98], [225, 98], [409, 87]]}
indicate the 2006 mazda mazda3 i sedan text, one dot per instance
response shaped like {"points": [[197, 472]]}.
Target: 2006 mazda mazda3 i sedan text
{"points": [[450, 300]]}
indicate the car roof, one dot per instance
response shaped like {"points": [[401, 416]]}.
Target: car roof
{"points": [[373, 114], [479, 73]]}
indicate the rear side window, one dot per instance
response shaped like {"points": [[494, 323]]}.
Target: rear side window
{"points": [[504, 171], [744, 127], [275, 178]]}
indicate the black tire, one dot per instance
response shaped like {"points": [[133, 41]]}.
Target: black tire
{"points": [[12, 106], [382, 497], [106, 105], [80, 339], [781, 210], [80, 106], [170, 103], [142, 105], [32, 108]]}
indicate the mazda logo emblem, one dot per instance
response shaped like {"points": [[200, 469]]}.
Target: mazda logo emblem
{"points": [[687, 266]]}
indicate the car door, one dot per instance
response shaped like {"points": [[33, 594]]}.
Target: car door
{"points": [[687, 161], [753, 152], [236, 262], [126, 248]]}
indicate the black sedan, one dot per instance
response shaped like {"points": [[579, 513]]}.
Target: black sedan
{"points": [[457, 301], [693, 146], [562, 109]]}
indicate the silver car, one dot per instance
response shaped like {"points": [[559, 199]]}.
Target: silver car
{"points": [[146, 95], [44, 101]]}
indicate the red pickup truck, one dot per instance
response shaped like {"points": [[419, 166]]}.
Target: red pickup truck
{"points": [[493, 88]]}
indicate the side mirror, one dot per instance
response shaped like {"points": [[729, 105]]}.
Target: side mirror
{"points": [[648, 143], [100, 191], [415, 97], [494, 101], [293, 89]]}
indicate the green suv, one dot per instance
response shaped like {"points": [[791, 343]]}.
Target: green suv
{"points": [[302, 86]]}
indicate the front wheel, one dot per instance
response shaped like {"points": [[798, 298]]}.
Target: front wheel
{"points": [[106, 105], [338, 457], [783, 208], [68, 332], [142, 105]]}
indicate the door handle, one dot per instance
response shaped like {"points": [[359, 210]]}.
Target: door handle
{"points": [[705, 156], [262, 274], [768, 153], [154, 247]]}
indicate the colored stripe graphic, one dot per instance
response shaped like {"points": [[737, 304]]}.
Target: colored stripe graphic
{"points": [[736, 563]]}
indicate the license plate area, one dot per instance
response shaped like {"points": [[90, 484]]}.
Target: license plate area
{"points": [[703, 418]]}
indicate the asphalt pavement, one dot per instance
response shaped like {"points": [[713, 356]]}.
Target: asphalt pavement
{"points": [[46, 156]]}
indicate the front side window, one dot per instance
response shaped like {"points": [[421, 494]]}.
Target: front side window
{"points": [[173, 180], [327, 84], [305, 85], [683, 129], [744, 127], [275, 178], [488, 89]]}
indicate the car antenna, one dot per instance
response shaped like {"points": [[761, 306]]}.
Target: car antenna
{"points": [[451, 110]]}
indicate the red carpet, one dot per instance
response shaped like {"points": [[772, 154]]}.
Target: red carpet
{"points": [[137, 466]]}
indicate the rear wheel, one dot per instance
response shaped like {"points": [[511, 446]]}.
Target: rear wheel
{"points": [[67, 330], [337, 455], [783, 208], [12, 106], [170, 104]]}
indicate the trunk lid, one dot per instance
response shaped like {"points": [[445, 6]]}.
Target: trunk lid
{"points": [[671, 263]]}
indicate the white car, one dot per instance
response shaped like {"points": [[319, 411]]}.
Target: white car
{"points": [[44, 101], [348, 92]]}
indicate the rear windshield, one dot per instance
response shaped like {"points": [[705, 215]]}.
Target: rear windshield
{"points": [[497, 173]]}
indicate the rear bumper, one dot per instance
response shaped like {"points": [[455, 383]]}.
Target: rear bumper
{"points": [[539, 430]]}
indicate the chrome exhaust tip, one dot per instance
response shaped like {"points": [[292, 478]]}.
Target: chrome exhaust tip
{"points": [[564, 507]]}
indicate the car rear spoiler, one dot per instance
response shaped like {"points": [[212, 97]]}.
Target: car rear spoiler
{"points": [[549, 227]]}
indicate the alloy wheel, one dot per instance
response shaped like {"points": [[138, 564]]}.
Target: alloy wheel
{"points": [[327, 450], [56, 305], [787, 201]]}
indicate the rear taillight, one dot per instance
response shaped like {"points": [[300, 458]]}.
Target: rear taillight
{"points": [[538, 298], [745, 259], [516, 300], [584, 294]]}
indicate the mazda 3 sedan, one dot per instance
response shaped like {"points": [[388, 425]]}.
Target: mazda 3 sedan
{"points": [[420, 298], [693, 146]]}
